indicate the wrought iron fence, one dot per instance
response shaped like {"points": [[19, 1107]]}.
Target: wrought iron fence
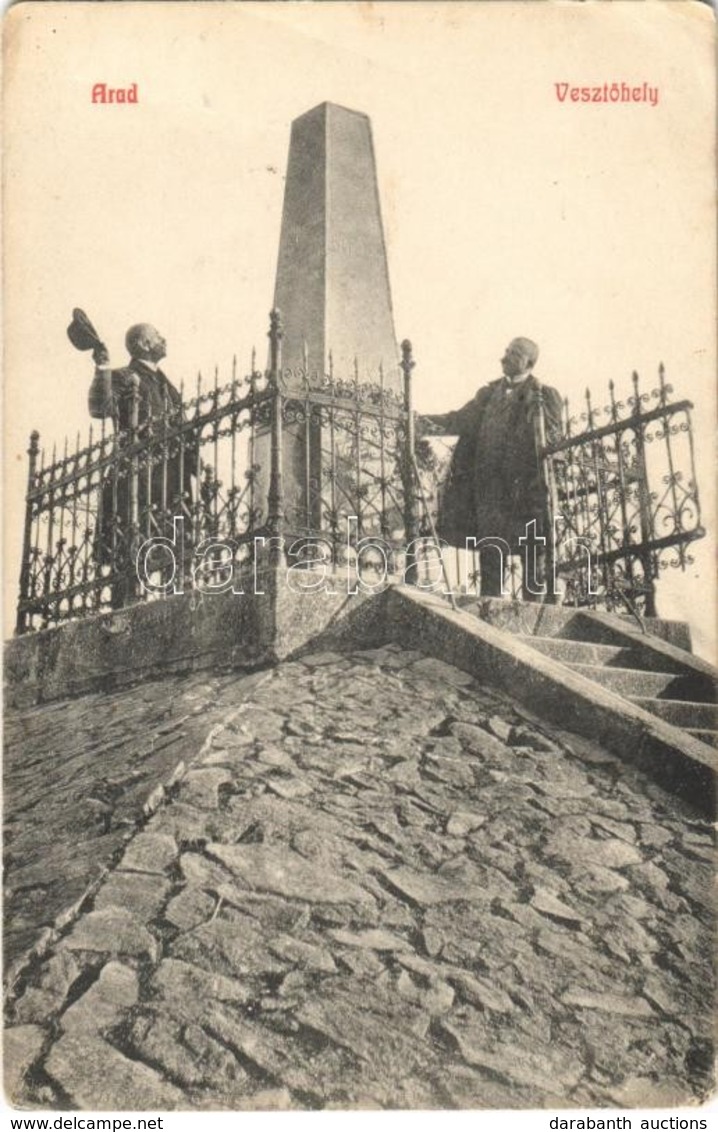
{"points": [[89, 511], [356, 433], [187, 497], [190, 494], [623, 496]]}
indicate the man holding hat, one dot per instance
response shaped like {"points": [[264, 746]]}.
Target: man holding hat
{"points": [[163, 485]]}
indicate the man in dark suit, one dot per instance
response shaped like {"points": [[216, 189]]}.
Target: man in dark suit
{"points": [[495, 489], [163, 476]]}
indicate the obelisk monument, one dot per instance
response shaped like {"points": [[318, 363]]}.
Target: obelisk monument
{"points": [[332, 282], [332, 290]]}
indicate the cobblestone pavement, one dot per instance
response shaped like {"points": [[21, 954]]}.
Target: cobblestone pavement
{"points": [[377, 884], [75, 777]]}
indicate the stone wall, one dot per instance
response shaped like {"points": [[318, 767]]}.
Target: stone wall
{"points": [[279, 614], [114, 650]]}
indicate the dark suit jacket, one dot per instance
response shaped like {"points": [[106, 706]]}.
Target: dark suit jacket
{"points": [[169, 488], [495, 484], [154, 389]]}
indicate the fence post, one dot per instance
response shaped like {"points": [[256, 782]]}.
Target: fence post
{"points": [[410, 532], [21, 624], [133, 526], [275, 497], [644, 504], [545, 462]]}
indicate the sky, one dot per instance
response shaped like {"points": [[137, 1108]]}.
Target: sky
{"points": [[587, 227]]}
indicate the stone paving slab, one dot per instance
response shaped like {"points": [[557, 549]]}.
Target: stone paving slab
{"points": [[76, 776], [375, 883]]}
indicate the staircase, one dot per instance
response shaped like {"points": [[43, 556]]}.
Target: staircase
{"points": [[675, 692], [641, 695], [655, 670]]}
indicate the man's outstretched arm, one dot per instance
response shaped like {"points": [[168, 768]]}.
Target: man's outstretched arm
{"points": [[454, 423], [100, 398]]}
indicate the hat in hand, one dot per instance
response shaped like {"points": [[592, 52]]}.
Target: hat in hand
{"points": [[81, 332]]}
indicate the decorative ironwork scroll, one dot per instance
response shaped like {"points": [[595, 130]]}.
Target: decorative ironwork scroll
{"points": [[352, 438], [624, 497]]}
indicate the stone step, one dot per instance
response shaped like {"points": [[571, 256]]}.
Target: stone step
{"points": [[595, 631], [591, 652], [635, 682], [610, 629], [705, 736], [681, 713]]}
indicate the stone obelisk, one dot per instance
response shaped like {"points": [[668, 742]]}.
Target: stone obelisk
{"points": [[332, 288], [332, 282]]}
